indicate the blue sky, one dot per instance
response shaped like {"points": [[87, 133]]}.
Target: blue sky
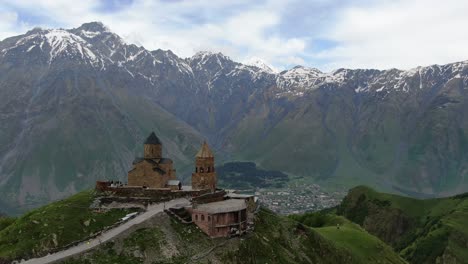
{"points": [[318, 33]]}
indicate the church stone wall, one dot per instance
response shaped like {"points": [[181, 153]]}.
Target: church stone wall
{"points": [[144, 175], [152, 151], [204, 176], [201, 181]]}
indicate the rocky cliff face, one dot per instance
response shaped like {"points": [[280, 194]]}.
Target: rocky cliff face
{"points": [[77, 104]]}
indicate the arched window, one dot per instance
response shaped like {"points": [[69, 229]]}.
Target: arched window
{"points": [[196, 217], [208, 169], [196, 169], [209, 218], [203, 217], [201, 169]]}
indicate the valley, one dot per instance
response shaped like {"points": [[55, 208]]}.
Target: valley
{"points": [[233, 132], [298, 198], [76, 102]]}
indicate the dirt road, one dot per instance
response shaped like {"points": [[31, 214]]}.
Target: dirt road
{"points": [[109, 235]]}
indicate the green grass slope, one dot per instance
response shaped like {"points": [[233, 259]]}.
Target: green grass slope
{"points": [[53, 226], [276, 239], [423, 231], [286, 240], [5, 222], [350, 237]]}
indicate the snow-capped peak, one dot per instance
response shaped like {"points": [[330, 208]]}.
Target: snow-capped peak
{"points": [[91, 30], [94, 27], [261, 64], [205, 55], [203, 58], [62, 41], [56, 42]]}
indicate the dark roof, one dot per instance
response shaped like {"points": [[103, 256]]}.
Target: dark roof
{"points": [[152, 161], [226, 206], [137, 160], [159, 170], [165, 161], [153, 139]]}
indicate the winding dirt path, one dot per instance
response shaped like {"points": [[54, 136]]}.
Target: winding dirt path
{"points": [[107, 236]]}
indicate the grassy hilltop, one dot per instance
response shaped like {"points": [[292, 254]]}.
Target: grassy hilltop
{"points": [[53, 226], [422, 231], [276, 239], [368, 227]]}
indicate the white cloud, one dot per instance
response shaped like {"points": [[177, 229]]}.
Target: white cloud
{"points": [[227, 27], [7, 23], [401, 34], [383, 34]]}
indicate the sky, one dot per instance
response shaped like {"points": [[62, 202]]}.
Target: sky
{"points": [[324, 34]]}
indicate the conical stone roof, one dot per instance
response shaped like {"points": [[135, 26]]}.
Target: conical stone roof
{"points": [[153, 139], [205, 152]]}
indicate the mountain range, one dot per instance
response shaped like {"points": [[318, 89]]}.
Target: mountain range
{"points": [[77, 104]]}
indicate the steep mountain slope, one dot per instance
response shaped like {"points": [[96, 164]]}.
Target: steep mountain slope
{"points": [[77, 104], [365, 125], [423, 231], [70, 117]]}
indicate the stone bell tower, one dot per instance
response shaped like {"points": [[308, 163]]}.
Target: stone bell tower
{"points": [[152, 147], [204, 176]]}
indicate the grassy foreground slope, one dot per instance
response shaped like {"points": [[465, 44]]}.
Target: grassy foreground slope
{"points": [[350, 237], [53, 226], [276, 239], [423, 231], [286, 240]]}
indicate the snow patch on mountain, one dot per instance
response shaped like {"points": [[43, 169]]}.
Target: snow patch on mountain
{"points": [[62, 41], [261, 64], [302, 78], [90, 34], [203, 58], [94, 44]]}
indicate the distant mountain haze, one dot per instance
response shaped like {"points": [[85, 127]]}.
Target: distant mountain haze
{"points": [[77, 104]]}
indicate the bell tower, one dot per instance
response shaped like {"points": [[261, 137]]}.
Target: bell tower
{"points": [[152, 147], [204, 176]]}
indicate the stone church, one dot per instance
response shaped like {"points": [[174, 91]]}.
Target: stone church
{"points": [[153, 171], [156, 172]]}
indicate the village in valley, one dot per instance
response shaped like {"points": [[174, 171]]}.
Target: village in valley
{"points": [[298, 198]]}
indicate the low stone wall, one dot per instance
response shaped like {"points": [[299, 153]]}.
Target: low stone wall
{"points": [[209, 197], [155, 195]]}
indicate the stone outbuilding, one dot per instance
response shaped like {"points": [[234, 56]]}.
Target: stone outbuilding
{"points": [[250, 200], [221, 219], [152, 171], [174, 185]]}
